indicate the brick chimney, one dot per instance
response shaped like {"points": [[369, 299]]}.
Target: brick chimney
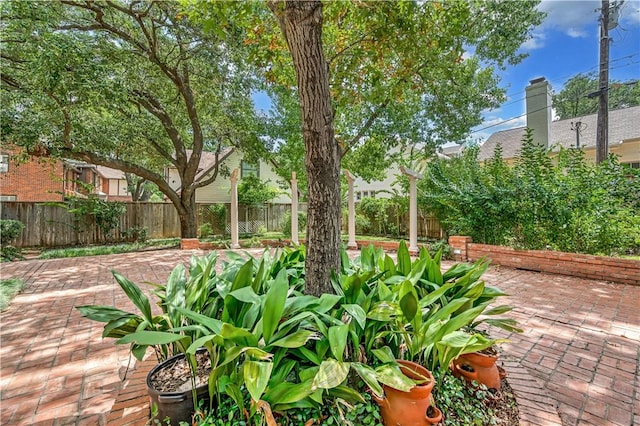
{"points": [[539, 110]]}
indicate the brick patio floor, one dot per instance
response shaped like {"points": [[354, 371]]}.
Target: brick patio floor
{"points": [[581, 342]]}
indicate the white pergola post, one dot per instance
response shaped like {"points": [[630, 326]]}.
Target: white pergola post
{"points": [[294, 209], [413, 209], [235, 242], [351, 224]]}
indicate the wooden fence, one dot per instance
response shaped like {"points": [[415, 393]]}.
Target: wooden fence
{"points": [[52, 226]]}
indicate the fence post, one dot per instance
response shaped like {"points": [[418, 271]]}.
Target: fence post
{"points": [[235, 244]]}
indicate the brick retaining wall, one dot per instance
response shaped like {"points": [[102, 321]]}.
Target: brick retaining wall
{"points": [[626, 271]]}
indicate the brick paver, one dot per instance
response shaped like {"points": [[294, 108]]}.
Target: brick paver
{"points": [[581, 343]]}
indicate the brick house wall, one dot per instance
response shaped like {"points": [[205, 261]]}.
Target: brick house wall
{"points": [[39, 179]]}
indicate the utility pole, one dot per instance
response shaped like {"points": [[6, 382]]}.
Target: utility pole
{"points": [[602, 133], [578, 128]]}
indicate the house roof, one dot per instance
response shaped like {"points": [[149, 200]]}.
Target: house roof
{"points": [[451, 151], [109, 173], [624, 124], [208, 160]]}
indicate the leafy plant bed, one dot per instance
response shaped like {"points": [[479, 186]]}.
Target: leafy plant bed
{"points": [[469, 405]]}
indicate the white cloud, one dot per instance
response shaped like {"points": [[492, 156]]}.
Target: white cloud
{"points": [[535, 42], [630, 13], [570, 17]]}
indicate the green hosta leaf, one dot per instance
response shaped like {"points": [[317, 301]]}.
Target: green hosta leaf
{"points": [[256, 377], [244, 276], [384, 354], [134, 294], [408, 300], [391, 376], [417, 270], [369, 376], [327, 301], [274, 305], [389, 266], [382, 311], [338, 340], [475, 291], [238, 335], [509, 325], [404, 259], [330, 374], [346, 393], [492, 292], [294, 340], [246, 295], [498, 310], [198, 343], [287, 393], [150, 338], [103, 313], [357, 313], [212, 324]]}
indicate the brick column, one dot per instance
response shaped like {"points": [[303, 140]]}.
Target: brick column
{"points": [[459, 246]]}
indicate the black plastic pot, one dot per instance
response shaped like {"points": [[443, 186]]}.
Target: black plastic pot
{"points": [[177, 406]]}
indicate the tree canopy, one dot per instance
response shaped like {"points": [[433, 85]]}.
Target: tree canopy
{"points": [[574, 100], [135, 86]]}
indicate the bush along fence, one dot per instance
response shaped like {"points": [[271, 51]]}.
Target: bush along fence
{"points": [[626, 271]]}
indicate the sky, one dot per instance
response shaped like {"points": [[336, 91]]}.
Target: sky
{"points": [[565, 44]]}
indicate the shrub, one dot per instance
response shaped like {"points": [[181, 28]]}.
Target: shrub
{"points": [[253, 191], [566, 204], [286, 223], [218, 213], [205, 230], [10, 230]]}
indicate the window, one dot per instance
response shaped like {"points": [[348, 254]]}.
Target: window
{"points": [[632, 165], [358, 195], [249, 169], [4, 163], [7, 198]]}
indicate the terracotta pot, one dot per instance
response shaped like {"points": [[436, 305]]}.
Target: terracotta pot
{"points": [[479, 367], [400, 408]]}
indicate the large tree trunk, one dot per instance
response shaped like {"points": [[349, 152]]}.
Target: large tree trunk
{"points": [[187, 215], [301, 24]]}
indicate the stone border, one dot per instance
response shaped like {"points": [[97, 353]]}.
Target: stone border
{"points": [[536, 407]]}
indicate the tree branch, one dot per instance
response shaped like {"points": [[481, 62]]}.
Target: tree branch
{"points": [[367, 125]]}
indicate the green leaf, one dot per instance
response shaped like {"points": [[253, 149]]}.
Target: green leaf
{"points": [[498, 310], [327, 301], [246, 295], [136, 295], [404, 260], [256, 377], [391, 375], [295, 340], [212, 324], [357, 313], [382, 311], [287, 393], [408, 300], [274, 305], [338, 340], [103, 313], [151, 338], [238, 335], [330, 374], [369, 376], [384, 354]]}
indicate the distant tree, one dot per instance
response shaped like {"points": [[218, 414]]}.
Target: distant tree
{"points": [[572, 101], [131, 85]]}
